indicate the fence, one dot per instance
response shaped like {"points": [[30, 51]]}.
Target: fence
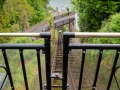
{"points": [[67, 46], [21, 47]]}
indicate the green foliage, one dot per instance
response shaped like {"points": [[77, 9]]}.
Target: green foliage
{"points": [[18, 15], [56, 35], [110, 25], [92, 13], [40, 7], [19, 12], [66, 27], [38, 41], [20, 40]]}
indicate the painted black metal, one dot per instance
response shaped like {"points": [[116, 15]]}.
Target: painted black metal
{"points": [[1, 66], [21, 46], [113, 69], [45, 34], [65, 61], [48, 63], [97, 69], [23, 68], [39, 68], [67, 46], [94, 46], [82, 67], [45, 47], [8, 69], [69, 34], [118, 67]]}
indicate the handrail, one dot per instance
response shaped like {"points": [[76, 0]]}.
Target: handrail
{"points": [[41, 34], [92, 34]]}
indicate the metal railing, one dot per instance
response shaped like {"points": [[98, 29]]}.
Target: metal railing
{"points": [[21, 47], [67, 46]]}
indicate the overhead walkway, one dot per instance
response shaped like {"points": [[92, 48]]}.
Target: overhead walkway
{"points": [[58, 21]]}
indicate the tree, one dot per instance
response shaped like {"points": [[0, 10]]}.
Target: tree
{"points": [[19, 12], [40, 7], [92, 13], [1, 4]]}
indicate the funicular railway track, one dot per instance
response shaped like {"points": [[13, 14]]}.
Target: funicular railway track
{"points": [[73, 69], [57, 65]]}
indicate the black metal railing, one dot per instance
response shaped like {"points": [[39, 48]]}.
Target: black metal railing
{"points": [[67, 46], [21, 47]]}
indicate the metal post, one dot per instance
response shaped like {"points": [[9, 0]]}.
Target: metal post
{"points": [[65, 62], [48, 63], [66, 38]]}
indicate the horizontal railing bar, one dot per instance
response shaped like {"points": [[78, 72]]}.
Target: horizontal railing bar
{"points": [[19, 34], [92, 34], [22, 46], [93, 46], [41, 34], [96, 35]]}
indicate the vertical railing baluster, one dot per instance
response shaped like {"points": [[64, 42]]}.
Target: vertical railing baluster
{"points": [[8, 68], [23, 69], [113, 69], [82, 68], [116, 78], [39, 69], [97, 69]]}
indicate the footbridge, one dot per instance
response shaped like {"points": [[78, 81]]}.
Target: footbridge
{"points": [[58, 21]]}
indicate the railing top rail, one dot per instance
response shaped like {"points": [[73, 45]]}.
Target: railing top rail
{"points": [[41, 34], [94, 46], [92, 34]]}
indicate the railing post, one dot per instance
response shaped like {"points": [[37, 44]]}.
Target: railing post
{"points": [[66, 38], [47, 37]]}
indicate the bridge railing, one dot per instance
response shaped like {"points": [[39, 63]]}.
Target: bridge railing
{"points": [[67, 47], [45, 47]]}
